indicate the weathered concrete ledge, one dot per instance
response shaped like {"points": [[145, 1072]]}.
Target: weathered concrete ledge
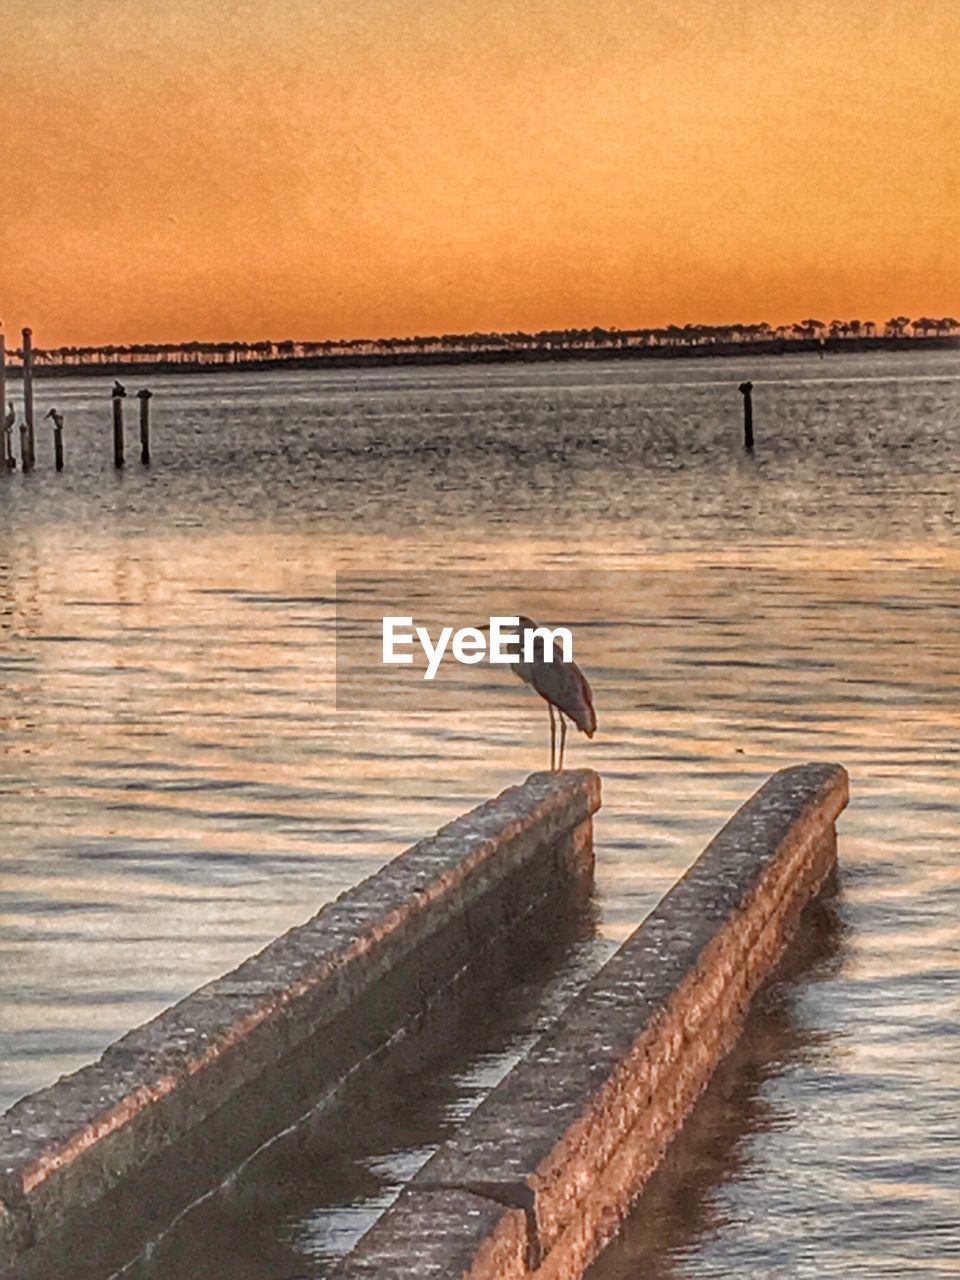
{"points": [[341, 989], [547, 1167]]}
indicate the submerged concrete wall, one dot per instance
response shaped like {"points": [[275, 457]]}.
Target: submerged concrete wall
{"points": [[547, 1167], [329, 996]]}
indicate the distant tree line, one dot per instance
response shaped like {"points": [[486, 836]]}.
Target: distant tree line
{"points": [[694, 336]]}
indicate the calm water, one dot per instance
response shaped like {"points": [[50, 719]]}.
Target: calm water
{"points": [[180, 783]]}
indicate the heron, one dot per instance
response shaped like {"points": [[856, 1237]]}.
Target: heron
{"points": [[563, 687]]}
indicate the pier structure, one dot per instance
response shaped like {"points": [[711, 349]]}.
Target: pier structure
{"points": [[169, 1109], [539, 1177]]}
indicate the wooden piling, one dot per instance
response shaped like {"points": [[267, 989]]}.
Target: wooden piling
{"points": [[27, 357], [9, 461], [3, 373], [26, 462], [746, 390], [144, 396], [117, 431], [57, 438]]}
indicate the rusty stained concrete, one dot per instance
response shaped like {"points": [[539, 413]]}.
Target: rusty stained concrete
{"points": [[388, 947], [542, 1174]]}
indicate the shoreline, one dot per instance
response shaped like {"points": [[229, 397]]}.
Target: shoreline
{"points": [[500, 355]]}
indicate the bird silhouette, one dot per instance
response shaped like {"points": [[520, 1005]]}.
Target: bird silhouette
{"points": [[561, 684]]}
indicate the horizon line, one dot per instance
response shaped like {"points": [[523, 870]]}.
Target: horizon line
{"points": [[810, 328]]}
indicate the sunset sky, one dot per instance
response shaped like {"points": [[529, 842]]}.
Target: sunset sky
{"points": [[321, 168]]}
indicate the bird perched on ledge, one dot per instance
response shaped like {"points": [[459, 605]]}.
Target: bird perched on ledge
{"points": [[562, 685]]}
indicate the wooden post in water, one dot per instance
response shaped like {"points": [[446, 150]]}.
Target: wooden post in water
{"points": [[26, 462], [3, 381], [117, 431], [144, 397], [57, 438], [8, 413], [746, 390], [27, 350]]}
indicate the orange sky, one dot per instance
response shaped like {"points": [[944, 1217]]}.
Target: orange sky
{"points": [[179, 169]]}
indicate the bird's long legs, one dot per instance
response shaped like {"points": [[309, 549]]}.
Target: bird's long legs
{"points": [[553, 739], [563, 736]]}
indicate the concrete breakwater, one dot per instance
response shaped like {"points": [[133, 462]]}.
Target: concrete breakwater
{"points": [[541, 1175], [178, 1102]]}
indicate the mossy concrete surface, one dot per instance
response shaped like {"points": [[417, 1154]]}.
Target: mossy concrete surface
{"points": [[351, 980], [545, 1170]]}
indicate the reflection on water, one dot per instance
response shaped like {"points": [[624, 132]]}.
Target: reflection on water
{"points": [[179, 786]]}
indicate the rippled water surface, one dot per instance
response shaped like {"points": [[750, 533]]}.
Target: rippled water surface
{"points": [[179, 782]]}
